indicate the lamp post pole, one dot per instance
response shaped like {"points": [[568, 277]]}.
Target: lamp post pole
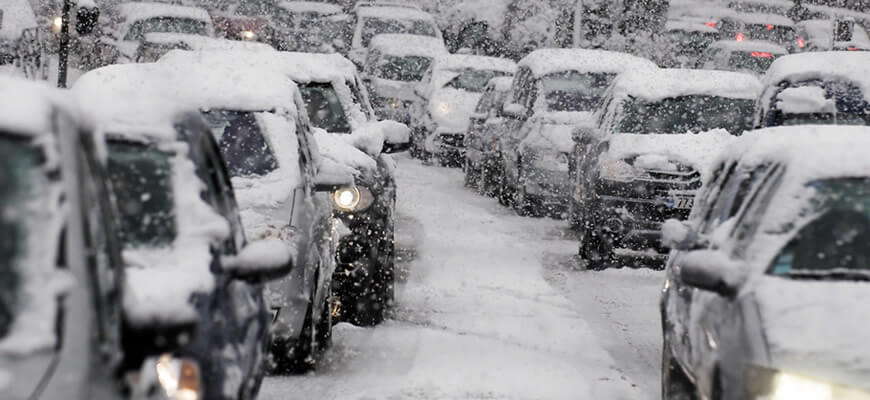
{"points": [[63, 54]]}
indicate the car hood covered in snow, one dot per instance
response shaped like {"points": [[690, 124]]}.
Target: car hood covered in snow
{"points": [[452, 108], [696, 150], [814, 328], [555, 130]]}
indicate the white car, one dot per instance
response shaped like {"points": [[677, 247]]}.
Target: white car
{"points": [[139, 19], [393, 68], [749, 56], [376, 20], [446, 98]]}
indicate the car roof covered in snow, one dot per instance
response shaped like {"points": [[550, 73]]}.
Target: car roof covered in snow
{"points": [[760, 18], [199, 42], [851, 66], [548, 61], [664, 83], [689, 25], [466, 61], [394, 12], [17, 16], [26, 107], [301, 67], [749, 45], [144, 10], [310, 7], [501, 83], [401, 44]]}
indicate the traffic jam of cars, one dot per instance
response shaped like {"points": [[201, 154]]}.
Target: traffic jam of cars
{"points": [[214, 186]]}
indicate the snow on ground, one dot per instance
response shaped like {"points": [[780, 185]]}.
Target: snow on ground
{"points": [[476, 318]]}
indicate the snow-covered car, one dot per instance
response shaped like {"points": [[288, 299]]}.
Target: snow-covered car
{"points": [[337, 104], [61, 330], [155, 45], [369, 21], [823, 34], [772, 28], [685, 40], [446, 98], [554, 81], [394, 66], [748, 56], [649, 154], [482, 158], [141, 18], [309, 26], [816, 88], [765, 287], [179, 222]]}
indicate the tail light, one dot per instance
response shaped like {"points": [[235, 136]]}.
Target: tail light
{"points": [[852, 48], [761, 54], [770, 27], [801, 42], [711, 24], [740, 37]]}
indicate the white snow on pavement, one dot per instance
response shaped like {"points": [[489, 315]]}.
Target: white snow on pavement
{"points": [[475, 318]]}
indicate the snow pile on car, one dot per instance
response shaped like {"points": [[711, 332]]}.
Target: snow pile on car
{"points": [[694, 149], [805, 100], [661, 84], [548, 61], [846, 66], [403, 45]]}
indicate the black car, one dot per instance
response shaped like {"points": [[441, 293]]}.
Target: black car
{"points": [[824, 88], [61, 278], [766, 285], [180, 223]]}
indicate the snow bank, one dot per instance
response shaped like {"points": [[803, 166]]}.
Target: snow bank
{"points": [[403, 45], [805, 100], [17, 16], [548, 61], [659, 84]]}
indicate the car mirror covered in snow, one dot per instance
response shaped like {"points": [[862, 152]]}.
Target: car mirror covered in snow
{"points": [[679, 235], [712, 271], [397, 136], [259, 261]]}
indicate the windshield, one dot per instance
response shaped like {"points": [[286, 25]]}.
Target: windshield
{"points": [[405, 69], [376, 26], [755, 61], [836, 238], [687, 114], [324, 108], [473, 80], [18, 160], [242, 143], [166, 25], [574, 91], [142, 178]]}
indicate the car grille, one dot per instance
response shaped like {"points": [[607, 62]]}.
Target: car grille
{"points": [[453, 139]]}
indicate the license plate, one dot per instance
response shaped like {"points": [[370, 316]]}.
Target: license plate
{"points": [[681, 202]]}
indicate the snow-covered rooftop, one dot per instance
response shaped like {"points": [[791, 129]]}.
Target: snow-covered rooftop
{"points": [[750, 45], [689, 26], [826, 65], [301, 67], [400, 44], [758, 18], [664, 83], [199, 43], [548, 61], [392, 12], [145, 10], [463, 61], [26, 106], [17, 16], [310, 7]]}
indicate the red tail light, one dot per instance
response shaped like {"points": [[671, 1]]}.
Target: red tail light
{"points": [[761, 54], [711, 24], [852, 48], [740, 37], [769, 27], [801, 42]]}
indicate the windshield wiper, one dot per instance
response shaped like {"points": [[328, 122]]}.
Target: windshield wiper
{"points": [[830, 275]]}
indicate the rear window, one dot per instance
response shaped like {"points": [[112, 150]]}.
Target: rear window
{"points": [[687, 114], [405, 69], [245, 149], [142, 178], [574, 91], [754, 61], [166, 25]]}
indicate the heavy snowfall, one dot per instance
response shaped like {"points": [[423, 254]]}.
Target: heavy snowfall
{"points": [[434, 200]]}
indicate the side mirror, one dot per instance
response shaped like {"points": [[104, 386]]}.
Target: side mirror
{"points": [[397, 136], [680, 235], [260, 261], [87, 19], [711, 271], [332, 176], [515, 111]]}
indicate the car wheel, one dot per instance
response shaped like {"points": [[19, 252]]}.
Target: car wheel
{"points": [[505, 193], [675, 384], [470, 180], [323, 332], [596, 248], [370, 307], [522, 203], [296, 357]]}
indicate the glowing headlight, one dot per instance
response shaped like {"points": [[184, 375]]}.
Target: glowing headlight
{"points": [[179, 378], [617, 170], [792, 387], [56, 24], [352, 198], [442, 108], [248, 35]]}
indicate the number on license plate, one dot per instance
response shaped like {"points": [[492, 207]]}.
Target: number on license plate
{"points": [[681, 202]]}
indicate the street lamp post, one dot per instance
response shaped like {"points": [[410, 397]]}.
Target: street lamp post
{"points": [[63, 54]]}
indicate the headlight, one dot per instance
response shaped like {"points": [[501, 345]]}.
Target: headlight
{"points": [[793, 387], [617, 170], [443, 108], [248, 35], [179, 378], [349, 199], [56, 24], [763, 383]]}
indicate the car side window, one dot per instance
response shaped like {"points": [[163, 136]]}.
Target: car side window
{"points": [[756, 204], [218, 183], [485, 103]]}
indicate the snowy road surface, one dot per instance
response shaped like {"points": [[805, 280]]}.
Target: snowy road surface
{"points": [[491, 307]]}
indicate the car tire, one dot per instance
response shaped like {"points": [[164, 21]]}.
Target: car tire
{"points": [[594, 249], [521, 202], [370, 307], [505, 193], [675, 384], [470, 178], [323, 331], [296, 357]]}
